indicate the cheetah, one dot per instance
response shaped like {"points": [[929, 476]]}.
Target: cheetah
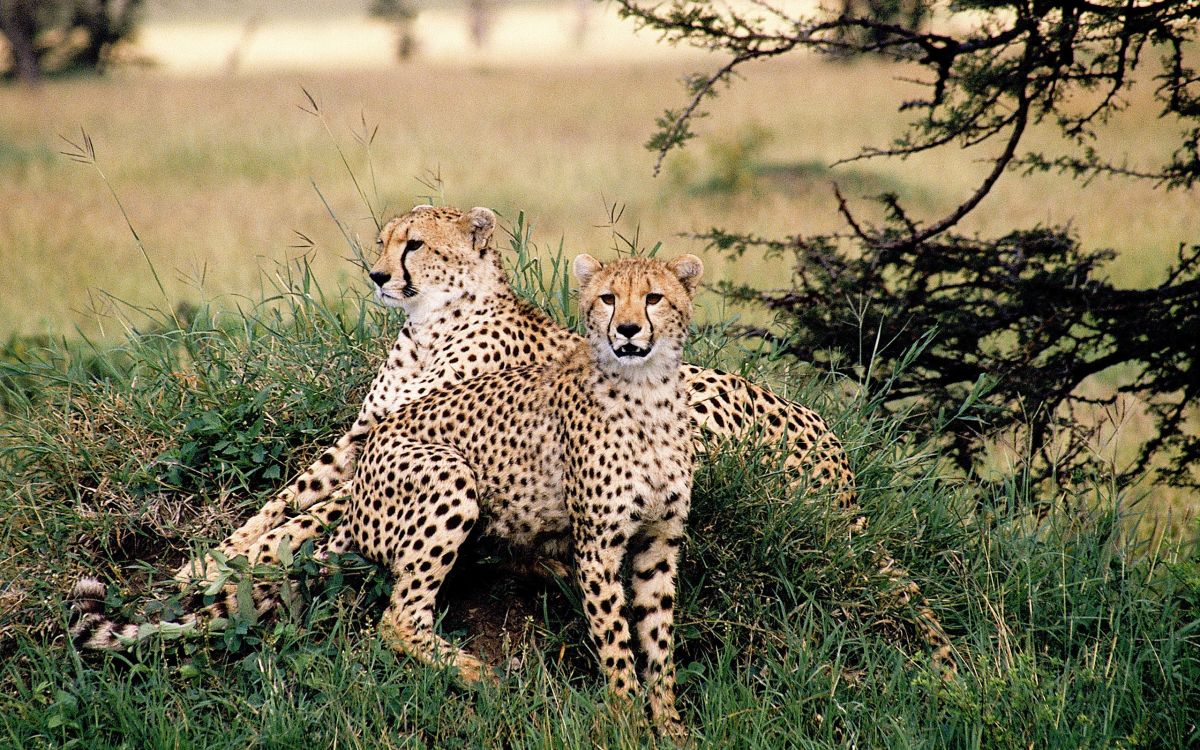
{"points": [[463, 320], [590, 452]]}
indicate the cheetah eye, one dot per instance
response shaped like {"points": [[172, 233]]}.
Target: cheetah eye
{"points": [[608, 299], [653, 298], [413, 245]]}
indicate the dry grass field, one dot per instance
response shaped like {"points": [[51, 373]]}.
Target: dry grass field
{"points": [[218, 172], [223, 175]]}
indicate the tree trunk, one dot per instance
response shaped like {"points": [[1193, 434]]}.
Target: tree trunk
{"points": [[95, 18], [18, 26]]}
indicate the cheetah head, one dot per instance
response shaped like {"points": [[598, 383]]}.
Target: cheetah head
{"points": [[430, 255], [637, 310]]}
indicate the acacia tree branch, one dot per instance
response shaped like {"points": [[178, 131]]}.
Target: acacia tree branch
{"points": [[1059, 50], [1020, 119], [939, 50], [984, 133], [844, 210], [678, 131]]}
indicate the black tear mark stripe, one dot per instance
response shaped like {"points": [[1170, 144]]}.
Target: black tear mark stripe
{"points": [[409, 247]]}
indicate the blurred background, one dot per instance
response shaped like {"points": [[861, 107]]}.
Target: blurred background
{"points": [[198, 123], [233, 137]]}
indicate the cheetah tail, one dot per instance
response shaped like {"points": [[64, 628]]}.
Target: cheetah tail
{"points": [[905, 592], [90, 627]]}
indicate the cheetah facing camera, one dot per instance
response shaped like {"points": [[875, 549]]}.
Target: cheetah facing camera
{"points": [[592, 453]]}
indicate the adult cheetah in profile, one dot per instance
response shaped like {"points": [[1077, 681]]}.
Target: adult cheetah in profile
{"points": [[463, 320], [591, 452]]}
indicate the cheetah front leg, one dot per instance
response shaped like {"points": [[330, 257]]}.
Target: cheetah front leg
{"points": [[598, 567], [263, 528], [654, 564], [328, 475], [291, 534], [325, 479]]}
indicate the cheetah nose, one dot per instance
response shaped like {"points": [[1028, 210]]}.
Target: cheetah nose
{"points": [[628, 330], [380, 277]]}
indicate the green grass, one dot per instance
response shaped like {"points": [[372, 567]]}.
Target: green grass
{"points": [[116, 460]]}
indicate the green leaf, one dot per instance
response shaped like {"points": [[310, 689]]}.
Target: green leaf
{"points": [[218, 583], [247, 613], [285, 552]]}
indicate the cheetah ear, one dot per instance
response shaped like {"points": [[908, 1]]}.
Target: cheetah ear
{"points": [[480, 222], [585, 267], [420, 206], [688, 269]]}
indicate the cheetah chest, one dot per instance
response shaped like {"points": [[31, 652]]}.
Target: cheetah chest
{"points": [[638, 461]]}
